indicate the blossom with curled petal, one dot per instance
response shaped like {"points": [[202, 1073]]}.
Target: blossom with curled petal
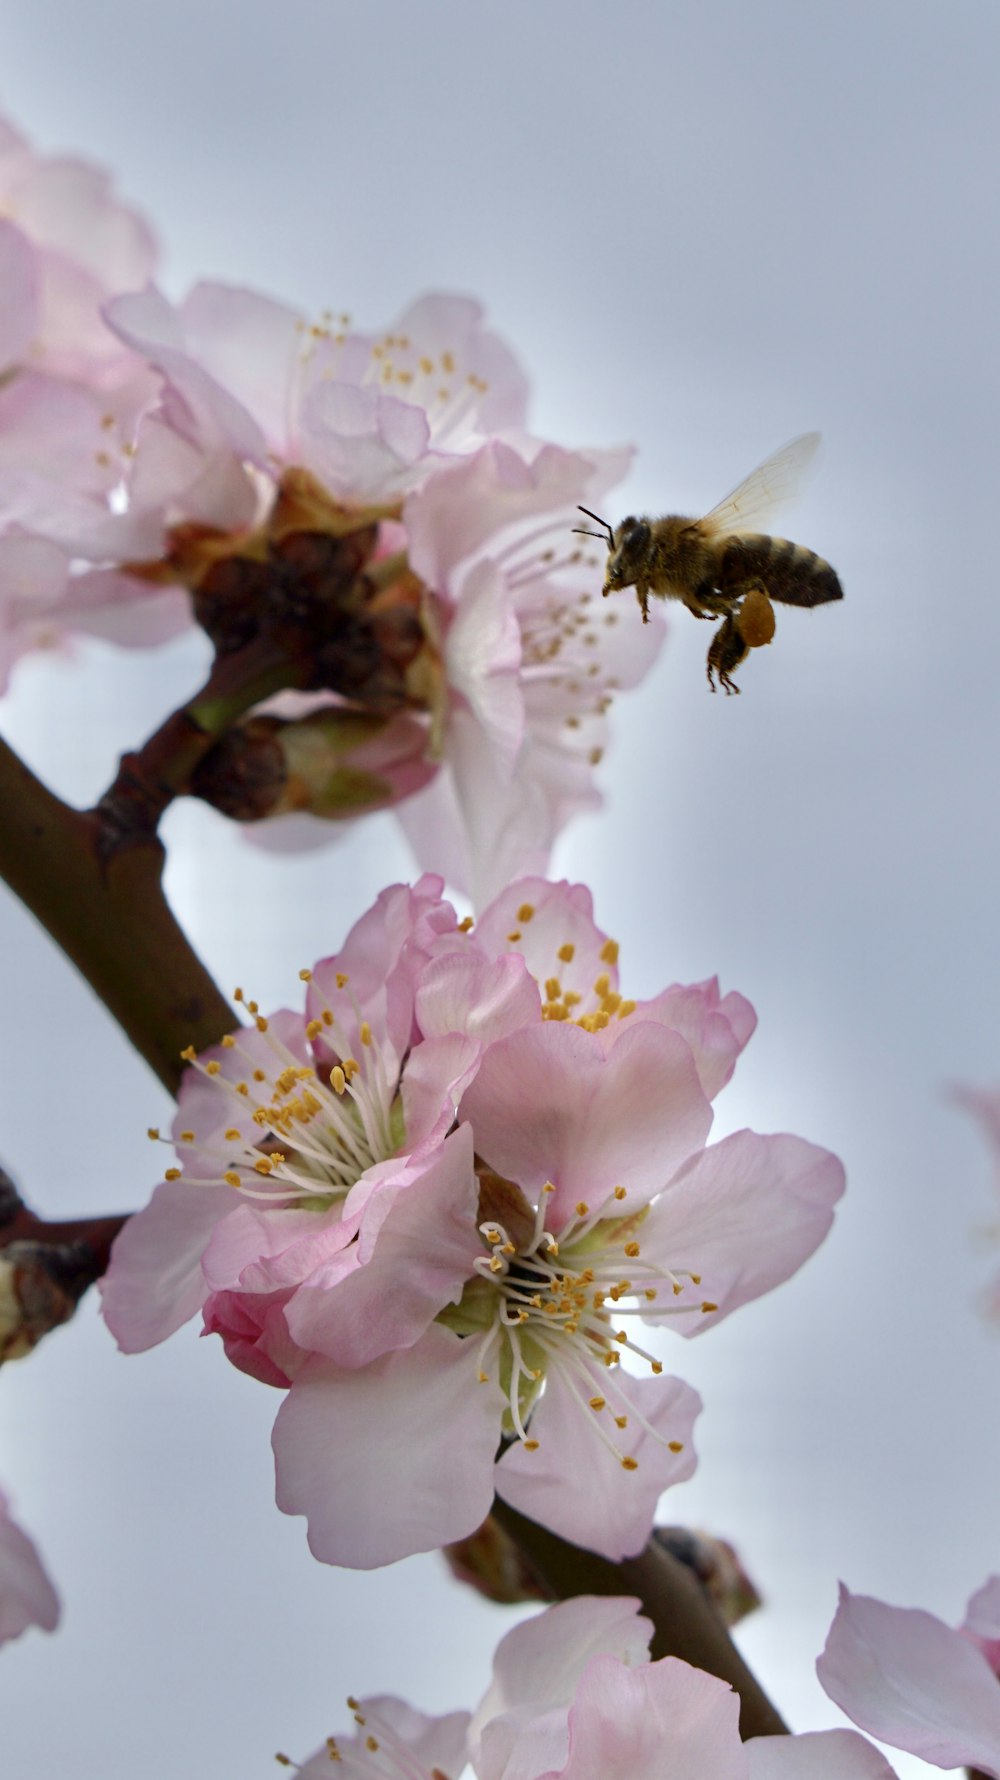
{"points": [[574, 1697], [27, 1597], [531, 658], [912, 1681], [462, 1183], [252, 386]]}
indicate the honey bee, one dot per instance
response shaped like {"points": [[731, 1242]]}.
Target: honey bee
{"points": [[724, 565]]}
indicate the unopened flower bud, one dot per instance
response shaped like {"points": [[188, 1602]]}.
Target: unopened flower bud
{"points": [[334, 763]]}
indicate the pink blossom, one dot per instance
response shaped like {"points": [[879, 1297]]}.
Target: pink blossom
{"points": [[574, 1697], [67, 245], [26, 1595], [251, 385], [910, 1680], [531, 658], [438, 1207]]}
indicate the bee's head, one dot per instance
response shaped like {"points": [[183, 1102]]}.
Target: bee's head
{"points": [[627, 555]]}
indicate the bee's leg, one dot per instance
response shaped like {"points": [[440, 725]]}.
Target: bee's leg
{"points": [[642, 595], [726, 651]]}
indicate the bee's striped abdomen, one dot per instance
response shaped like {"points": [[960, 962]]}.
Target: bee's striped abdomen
{"points": [[790, 573]]}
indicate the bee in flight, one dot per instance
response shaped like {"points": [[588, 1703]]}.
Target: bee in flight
{"points": [[724, 565]]}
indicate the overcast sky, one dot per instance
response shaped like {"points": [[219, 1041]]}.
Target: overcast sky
{"points": [[704, 228]]}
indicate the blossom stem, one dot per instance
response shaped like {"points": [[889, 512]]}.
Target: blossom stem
{"points": [[107, 910], [686, 1622], [149, 779]]}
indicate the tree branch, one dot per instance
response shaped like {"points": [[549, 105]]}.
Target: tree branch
{"points": [[108, 912]]}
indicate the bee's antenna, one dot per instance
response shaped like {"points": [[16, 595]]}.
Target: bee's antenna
{"points": [[586, 534]]}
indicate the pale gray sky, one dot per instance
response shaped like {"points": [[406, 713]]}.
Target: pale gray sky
{"points": [[704, 228]]}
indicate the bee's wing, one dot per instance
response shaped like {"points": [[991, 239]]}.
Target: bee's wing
{"points": [[750, 506]]}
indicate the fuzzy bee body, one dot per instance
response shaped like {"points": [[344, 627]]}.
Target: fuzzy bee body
{"points": [[721, 566]]}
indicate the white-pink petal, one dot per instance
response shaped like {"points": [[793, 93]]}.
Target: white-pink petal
{"points": [[548, 1106], [27, 1597], [665, 1721], [911, 1681], [154, 1281], [816, 1755], [574, 1484], [392, 1459], [743, 1215]]}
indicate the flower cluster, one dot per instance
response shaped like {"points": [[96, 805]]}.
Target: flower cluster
{"points": [[441, 1206], [574, 1697], [207, 460]]}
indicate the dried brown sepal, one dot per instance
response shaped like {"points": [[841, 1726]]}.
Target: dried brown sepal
{"points": [[492, 1563]]}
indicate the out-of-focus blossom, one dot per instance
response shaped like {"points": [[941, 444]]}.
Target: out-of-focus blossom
{"points": [[67, 245], [26, 1595], [438, 1207], [910, 1680], [984, 1105], [70, 395], [574, 1697]]}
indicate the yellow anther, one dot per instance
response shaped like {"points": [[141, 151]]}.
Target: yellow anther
{"points": [[566, 953], [241, 1088], [189, 1054], [632, 1250], [708, 1306], [351, 1067], [305, 976], [237, 994], [530, 1445], [495, 1264], [260, 1023], [553, 989], [650, 1293], [252, 1007], [513, 937], [153, 1132], [466, 924], [582, 1208], [313, 1028], [696, 1279], [621, 1335], [657, 1367], [609, 951], [526, 911], [229, 1042], [371, 1743], [327, 1017], [231, 1178], [549, 1187], [365, 1033], [599, 1022], [484, 1377], [172, 1174], [627, 1007], [232, 1136], [602, 986], [621, 1421], [263, 1165], [341, 979], [677, 1288], [260, 1075], [619, 1192], [611, 1003], [213, 1067], [338, 1080], [597, 1402], [675, 1445], [448, 362], [630, 1464], [571, 998]]}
